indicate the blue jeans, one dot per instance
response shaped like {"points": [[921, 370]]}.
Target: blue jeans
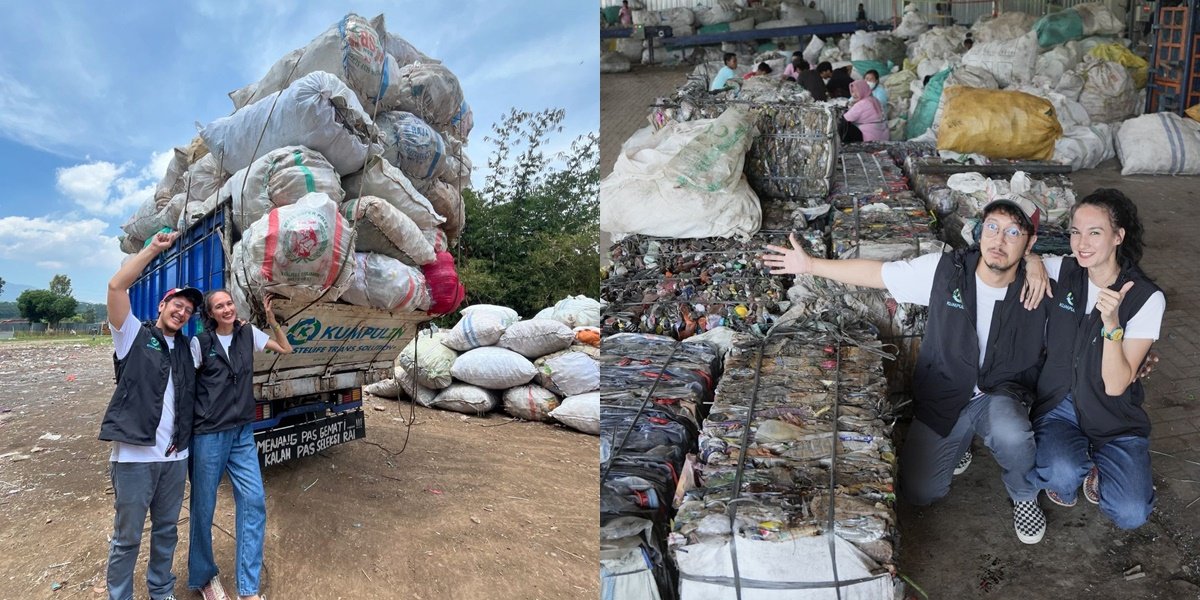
{"points": [[231, 451], [138, 488], [1064, 457], [927, 460]]}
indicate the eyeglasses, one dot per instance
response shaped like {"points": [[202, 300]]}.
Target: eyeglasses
{"points": [[1011, 233]]}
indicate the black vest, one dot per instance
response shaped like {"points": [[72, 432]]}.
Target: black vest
{"points": [[948, 368], [136, 406], [225, 389], [1074, 351]]}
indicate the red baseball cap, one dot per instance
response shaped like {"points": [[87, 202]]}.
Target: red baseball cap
{"points": [[190, 293]]}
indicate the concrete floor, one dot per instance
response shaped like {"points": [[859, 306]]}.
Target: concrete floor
{"points": [[964, 546]]}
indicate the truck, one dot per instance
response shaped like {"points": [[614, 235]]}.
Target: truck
{"points": [[307, 401]]}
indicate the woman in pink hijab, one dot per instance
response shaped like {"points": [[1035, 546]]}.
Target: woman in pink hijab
{"points": [[867, 113]]}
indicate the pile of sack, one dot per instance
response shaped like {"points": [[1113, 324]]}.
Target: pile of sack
{"points": [[342, 170], [539, 369]]}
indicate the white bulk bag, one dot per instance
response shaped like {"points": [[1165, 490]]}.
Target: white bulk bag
{"points": [[279, 178], [384, 282], [536, 337], [530, 402], [428, 359], [1159, 144], [493, 368], [317, 111], [465, 398], [581, 413], [570, 374], [382, 180], [383, 229]]}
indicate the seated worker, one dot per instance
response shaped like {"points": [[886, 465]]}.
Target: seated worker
{"points": [[727, 72], [865, 115], [763, 69], [839, 82], [877, 90]]}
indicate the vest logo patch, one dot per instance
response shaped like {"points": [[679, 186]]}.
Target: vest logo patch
{"points": [[153, 344], [956, 299], [1068, 303]]}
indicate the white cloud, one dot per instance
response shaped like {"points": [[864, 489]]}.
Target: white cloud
{"points": [[103, 188], [59, 244]]}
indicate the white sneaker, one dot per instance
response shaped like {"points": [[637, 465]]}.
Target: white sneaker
{"points": [[1029, 521], [963, 463]]}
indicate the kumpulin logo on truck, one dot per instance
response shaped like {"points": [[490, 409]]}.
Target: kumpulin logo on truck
{"points": [[340, 338]]}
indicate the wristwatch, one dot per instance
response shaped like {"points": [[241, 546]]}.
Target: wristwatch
{"points": [[1115, 335]]}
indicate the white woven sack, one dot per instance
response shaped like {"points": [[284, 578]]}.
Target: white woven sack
{"points": [[530, 402], [382, 180], [279, 178], [384, 282], [407, 388], [317, 111], [428, 359], [581, 413], [1159, 144], [577, 311], [476, 330], [537, 337], [299, 251], [351, 49], [465, 398], [493, 368], [384, 229], [508, 315], [570, 374]]}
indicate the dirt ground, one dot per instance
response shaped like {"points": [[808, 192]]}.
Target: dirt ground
{"points": [[472, 508]]}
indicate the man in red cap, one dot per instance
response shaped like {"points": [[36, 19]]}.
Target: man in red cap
{"points": [[149, 422], [975, 373]]}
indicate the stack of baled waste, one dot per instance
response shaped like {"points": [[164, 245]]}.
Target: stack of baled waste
{"points": [[540, 369], [795, 450], [342, 171]]}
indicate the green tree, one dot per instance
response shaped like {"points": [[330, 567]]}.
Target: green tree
{"points": [[61, 285], [1, 285], [89, 315], [44, 306], [531, 233]]}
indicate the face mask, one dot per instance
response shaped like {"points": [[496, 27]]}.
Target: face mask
{"points": [[872, 84], [825, 79]]}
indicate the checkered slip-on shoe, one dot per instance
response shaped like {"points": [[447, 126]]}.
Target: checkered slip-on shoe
{"points": [[1091, 486], [213, 590], [963, 463], [1029, 521]]}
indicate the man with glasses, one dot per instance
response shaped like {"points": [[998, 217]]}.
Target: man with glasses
{"points": [[149, 422], [977, 367]]}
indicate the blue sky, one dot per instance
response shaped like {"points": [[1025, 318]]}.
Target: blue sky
{"points": [[94, 94]]}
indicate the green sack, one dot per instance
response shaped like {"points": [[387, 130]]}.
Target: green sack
{"points": [[862, 66], [714, 28], [611, 14], [1059, 28], [922, 118]]}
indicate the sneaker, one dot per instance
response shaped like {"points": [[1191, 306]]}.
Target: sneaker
{"points": [[1055, 498], [963, 463], [213, 590], [1091, 486], [1029, 521]]}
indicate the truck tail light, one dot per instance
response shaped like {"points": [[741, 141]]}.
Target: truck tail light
{"points": [[348, 396], [262, 411]]}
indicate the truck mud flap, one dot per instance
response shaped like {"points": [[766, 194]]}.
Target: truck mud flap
{"points": [[307, 439]]}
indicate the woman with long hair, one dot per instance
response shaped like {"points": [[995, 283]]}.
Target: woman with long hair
{"points": [[223, 441], [1105, 313]]}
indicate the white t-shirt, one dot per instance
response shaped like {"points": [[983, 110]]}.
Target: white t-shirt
{"points": [[912, 281], [129, 453], [1146, 324], [261, 340]]}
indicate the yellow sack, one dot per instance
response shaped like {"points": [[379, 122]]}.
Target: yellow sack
{"points": [[1193, 112], [998, 124], [1137, 66]]}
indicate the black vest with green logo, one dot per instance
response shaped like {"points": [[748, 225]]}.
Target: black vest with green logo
{"points": [[225, 388], [136, 407], [948, 368], [1074, 353]]}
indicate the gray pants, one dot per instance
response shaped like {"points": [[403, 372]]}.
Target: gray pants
{"points": [[927, 459], [157, 488]]}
